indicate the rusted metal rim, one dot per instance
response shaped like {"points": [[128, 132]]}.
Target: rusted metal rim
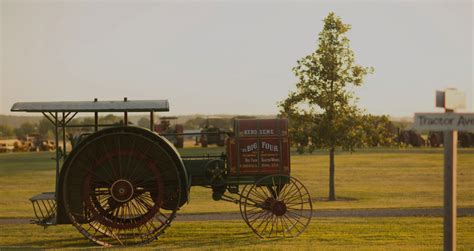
{"points": [[90, 166], [277, 206], [128, 202]]}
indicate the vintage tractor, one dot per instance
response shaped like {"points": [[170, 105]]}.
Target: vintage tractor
{"points": [[123, 185], [211, 133], [172, 131]]}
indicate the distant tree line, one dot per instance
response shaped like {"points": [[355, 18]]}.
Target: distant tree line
{"points": [[375, 131], [225, 123], [200, 122], [43, 128], [6, 131]]}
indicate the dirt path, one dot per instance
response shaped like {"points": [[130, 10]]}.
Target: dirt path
{"points": [[381, 212]]}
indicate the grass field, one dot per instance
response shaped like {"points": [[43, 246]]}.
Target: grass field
{"points": [[374, 178], [406, 233], [370, 179]]}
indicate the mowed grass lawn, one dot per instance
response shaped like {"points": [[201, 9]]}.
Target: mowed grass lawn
{"points": [[407, 233], [371, 179]]}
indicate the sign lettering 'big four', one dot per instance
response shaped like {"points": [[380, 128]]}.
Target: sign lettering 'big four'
{"points": [[259, 146]]}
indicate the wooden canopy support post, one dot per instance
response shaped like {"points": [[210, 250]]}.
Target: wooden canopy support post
{"points": [[56, 136], [125, 114], [152, 121], [96, 119], [70, 118], [48, 117], [63, 124]]}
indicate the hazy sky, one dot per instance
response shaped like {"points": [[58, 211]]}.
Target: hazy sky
{"points": [[228, 56]]}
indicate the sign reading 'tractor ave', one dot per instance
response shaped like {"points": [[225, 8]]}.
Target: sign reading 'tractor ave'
{"points": [[444, 121]]}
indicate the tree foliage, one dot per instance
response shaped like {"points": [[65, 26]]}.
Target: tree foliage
{"points": [[110, 119], [201, 122], [144, 122], [379, 131], [324, 96], [45, 128], [25, 129], [194, 123], [6, 131]]}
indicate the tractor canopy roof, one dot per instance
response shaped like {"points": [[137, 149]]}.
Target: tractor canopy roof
{"points": [[93, 106]]}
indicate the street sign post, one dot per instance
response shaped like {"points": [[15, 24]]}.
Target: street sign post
{"points": [[450, 123]]}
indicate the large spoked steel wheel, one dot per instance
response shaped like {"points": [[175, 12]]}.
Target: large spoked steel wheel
{"points": [[122, 189], [123, 203], [243, 194], [277, 206]]}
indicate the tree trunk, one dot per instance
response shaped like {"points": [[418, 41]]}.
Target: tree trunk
{"points": [[332, 189]]}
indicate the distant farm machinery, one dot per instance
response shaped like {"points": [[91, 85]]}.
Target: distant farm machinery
{"points": [[172, 131], [433, 139], [212, 134], [123, 185]]}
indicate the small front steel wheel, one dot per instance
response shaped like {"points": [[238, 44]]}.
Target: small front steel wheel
{"points": [[277, 206], [242, 197]]}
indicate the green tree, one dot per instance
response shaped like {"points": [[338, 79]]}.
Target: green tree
{"points": [[24, 130], [144, 122], [87, 121], [194, 123], [45, 127], [218, 122], [110, 119], [323, 94], [379, 131], [6, 131]]}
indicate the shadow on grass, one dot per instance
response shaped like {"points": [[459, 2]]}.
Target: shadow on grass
{"points": [[181, 237], [242, 238], [76, 242], [325, 199]]}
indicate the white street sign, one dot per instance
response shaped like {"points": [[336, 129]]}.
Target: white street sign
{"points": [[444, 121]]}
